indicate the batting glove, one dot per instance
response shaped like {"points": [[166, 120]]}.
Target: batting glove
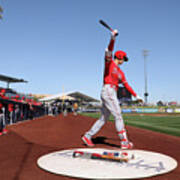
{"points": [[139, 99], [114, 33]]}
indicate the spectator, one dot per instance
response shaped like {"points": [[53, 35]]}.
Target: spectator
{"points": [[2, 120], [2, 93], [11, 115], [75, 108], [17, 113], [31, 111], [64, 108]]}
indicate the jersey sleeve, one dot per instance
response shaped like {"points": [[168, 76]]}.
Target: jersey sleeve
{"points": [[108, 55], [127, 86], [108, 51]]}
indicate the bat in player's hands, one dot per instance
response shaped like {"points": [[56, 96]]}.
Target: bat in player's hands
{"points": [[114, 32], [139, 99]]}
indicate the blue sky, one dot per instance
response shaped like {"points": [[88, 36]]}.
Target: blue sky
{"points": [[60, 43]]}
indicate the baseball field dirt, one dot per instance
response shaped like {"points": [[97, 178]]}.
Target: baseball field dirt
{"points": [[27, 141]]}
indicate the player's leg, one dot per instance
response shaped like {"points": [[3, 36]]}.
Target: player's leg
{"points": [[112, 104], [96, 126], [99, 123]]}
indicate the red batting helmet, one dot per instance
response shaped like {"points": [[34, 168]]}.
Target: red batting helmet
{"points": [[120, 55]]}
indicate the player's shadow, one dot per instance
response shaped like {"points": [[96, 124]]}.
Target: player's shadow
{"points": [[103, 140]]}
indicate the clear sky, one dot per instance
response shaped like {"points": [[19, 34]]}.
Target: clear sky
{"points": [[60, 43]]}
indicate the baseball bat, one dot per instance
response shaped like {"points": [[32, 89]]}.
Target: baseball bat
{"points": [[88, 155], [106, 25]]}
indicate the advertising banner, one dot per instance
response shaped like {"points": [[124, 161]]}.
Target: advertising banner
{"points": [[169, 110], [161, 110], [177, 110], [126, 110], [150, 110], [139, 110]]}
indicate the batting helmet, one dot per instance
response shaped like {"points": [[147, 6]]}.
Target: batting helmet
{"points": [[120, 55]]}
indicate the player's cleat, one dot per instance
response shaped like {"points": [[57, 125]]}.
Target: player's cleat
{"points": [[126, 145], [1, 133], [87, 141]]}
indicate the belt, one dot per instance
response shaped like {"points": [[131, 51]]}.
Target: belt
{"points": [[112, 86]]}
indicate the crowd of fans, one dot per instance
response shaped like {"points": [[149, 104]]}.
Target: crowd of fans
{"points": [[60, 106], [15, 108]]}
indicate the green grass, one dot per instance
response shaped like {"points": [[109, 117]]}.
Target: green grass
{"points": [[166, 124]]}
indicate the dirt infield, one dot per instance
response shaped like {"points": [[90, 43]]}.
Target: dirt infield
{"points": [[27, 141]]}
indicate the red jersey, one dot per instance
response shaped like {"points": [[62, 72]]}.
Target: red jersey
{"points": [[113, 75], [10, 107]]}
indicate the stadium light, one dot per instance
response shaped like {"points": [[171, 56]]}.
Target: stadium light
{"points": [[145, 54]]}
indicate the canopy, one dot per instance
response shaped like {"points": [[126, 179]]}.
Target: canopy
{"points": [[9, 80]]}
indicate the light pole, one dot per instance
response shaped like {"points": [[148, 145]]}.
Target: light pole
{"points": [[145, 54]]}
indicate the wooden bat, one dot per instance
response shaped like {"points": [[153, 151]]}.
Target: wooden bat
{"points": [[106, 25]]}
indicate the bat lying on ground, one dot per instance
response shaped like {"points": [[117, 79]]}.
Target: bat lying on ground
{"points": [[116, 157]]}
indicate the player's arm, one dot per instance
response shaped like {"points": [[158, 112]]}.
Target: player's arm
{"points": [[109, 50], [129, 88]]}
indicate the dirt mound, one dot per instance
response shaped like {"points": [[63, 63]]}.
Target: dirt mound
{"points": [[29, 140]]}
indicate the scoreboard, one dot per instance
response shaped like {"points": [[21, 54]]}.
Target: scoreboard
{"points": [[124, 95]]}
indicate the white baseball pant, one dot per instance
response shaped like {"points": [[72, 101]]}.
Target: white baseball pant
{"points": [[110, 105]]}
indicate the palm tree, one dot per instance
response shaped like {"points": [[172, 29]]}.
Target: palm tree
{"points": [[1, 11]]}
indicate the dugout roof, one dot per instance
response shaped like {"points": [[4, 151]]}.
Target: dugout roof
{"points": [[9, 80]]}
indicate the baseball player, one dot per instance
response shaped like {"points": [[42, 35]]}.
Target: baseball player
{"points": [[113, 76]]}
